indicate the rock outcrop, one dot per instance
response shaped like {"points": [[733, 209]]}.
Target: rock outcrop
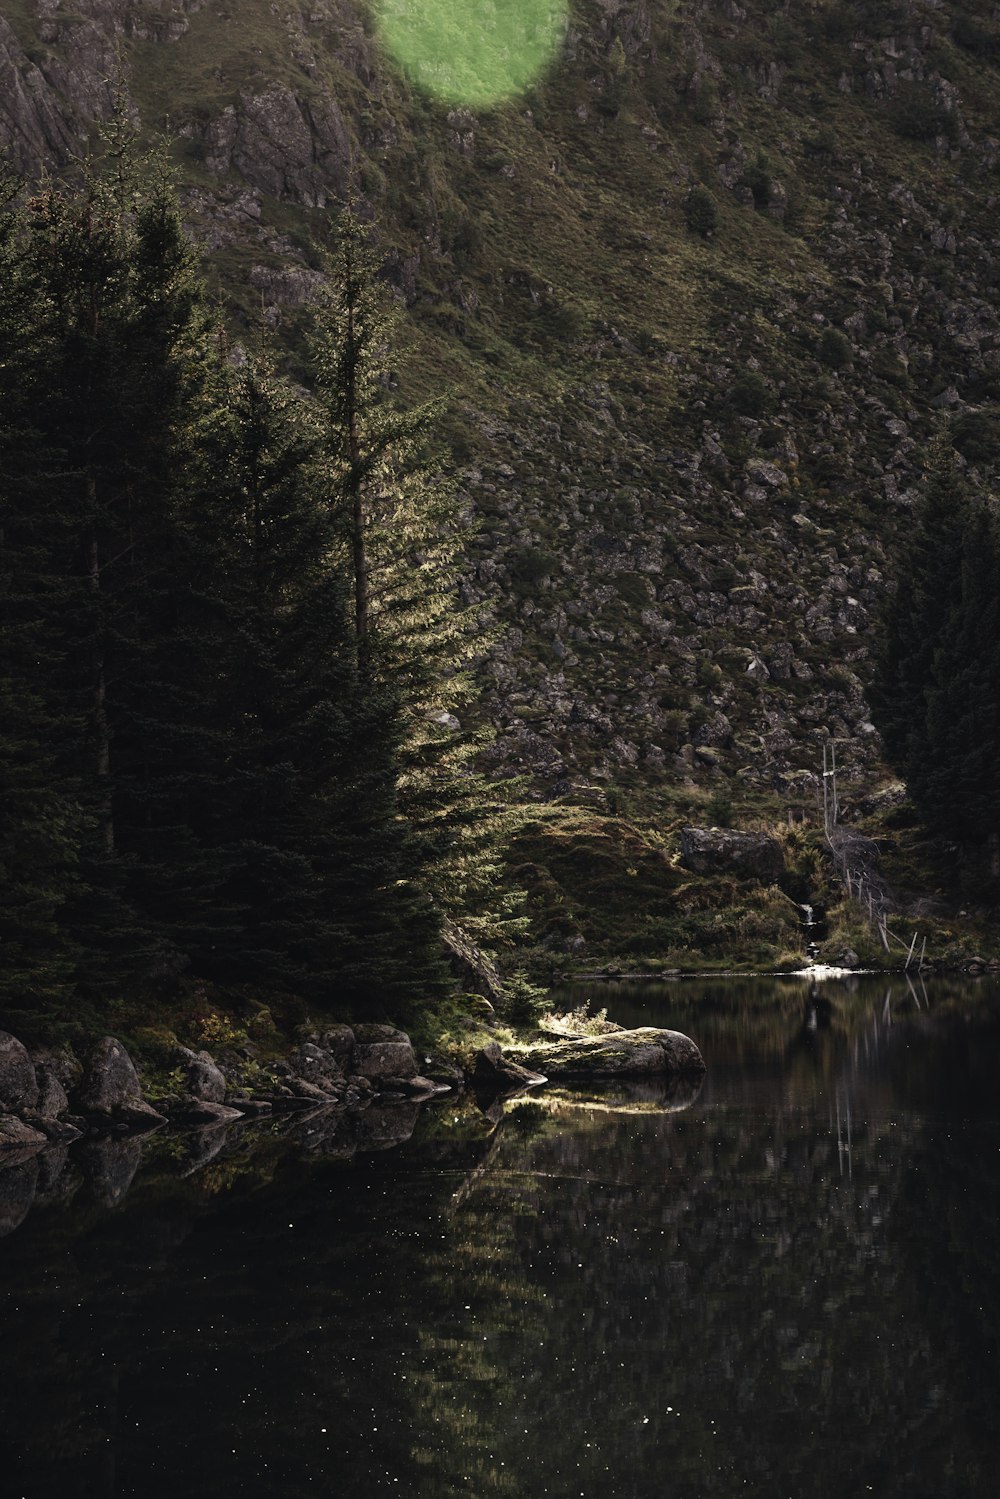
{"points": [[476, 972], [749, 856]]}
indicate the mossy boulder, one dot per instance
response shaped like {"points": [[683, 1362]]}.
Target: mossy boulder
{"points": [[635, 1053]]}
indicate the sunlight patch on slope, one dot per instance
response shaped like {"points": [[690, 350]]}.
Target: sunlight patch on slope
{"points": [[475, 52]]}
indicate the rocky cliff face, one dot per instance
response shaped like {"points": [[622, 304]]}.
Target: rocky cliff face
{"points": [[703, 297]]}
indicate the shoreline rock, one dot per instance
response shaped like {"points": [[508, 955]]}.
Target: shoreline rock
{"points": [[493, 1071], [110, 1092], [635, 1053], [51, 1099]]}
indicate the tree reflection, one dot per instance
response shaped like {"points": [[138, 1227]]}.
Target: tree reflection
{"points": [[783, 1287]]}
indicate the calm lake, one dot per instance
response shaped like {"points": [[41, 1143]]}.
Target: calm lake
{"points": [[784, 1286]]}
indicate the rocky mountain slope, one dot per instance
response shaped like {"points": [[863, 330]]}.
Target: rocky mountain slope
{"points": [[699, 301]]}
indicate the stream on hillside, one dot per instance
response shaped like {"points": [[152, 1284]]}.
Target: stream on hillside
{"points": [[780, 1284]]}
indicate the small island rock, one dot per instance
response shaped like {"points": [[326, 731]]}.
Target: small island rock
{"points": [[618, 1054]]}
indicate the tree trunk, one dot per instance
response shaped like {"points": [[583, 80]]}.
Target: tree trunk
{"points": [[102, 736], [358, 547]]}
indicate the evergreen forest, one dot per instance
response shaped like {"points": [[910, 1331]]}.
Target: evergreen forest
{"points": [[230, 640]]}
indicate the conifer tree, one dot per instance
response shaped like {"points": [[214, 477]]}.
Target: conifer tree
{"points": [[403, 530], [40, 820], [294, 811], [120, 303], [936, 692], [928, 587], [953, 774]]}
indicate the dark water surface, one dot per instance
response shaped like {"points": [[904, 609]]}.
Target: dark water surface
{"points": [[787, 1288]]}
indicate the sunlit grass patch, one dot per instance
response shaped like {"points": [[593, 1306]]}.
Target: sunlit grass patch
{"points": [[472, 53]]}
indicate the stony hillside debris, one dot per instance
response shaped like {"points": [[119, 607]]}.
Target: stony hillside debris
{"points": [[746, 519], [753, 856]]}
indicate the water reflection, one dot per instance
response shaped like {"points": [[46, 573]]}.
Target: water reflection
{"points": [[783, 1285]]}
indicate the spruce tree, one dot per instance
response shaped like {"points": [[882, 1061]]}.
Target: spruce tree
{"points": [[289, 811], [40, 819], [116, 283], [953, 766], [936, 694], [928, 576], [402, 529]]}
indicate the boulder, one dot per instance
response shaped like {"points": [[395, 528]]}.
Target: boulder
{"points": [[383, 1051], [339, 1040], [18, 1084], [252, 1108], [15, 1134], [204, 1079], [53, 1100], [317, 1065], [110, 1088], [321, 1094], [421, 1087], [203, 1111], [620, 1054], [749, 856], [60, 1131], [492, 1070]]}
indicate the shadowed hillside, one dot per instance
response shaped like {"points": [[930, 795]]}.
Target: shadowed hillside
{"points": [[697, 302]]}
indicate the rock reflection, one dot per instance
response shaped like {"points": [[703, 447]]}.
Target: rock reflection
{"points": [[782, 1285], [109, 1167], [18, 1184], [666, 1095]]}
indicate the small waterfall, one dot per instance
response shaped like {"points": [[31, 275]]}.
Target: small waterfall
{"points": [[809, 925]]}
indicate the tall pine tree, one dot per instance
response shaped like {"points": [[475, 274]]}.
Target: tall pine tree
{"points": [[403, 531], [116, 281], [41, 822], [298, 811]]}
